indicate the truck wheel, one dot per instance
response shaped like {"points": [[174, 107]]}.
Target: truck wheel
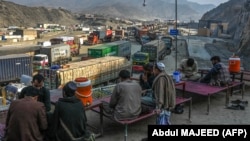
{"points": [[161, 57], [168, 51]]}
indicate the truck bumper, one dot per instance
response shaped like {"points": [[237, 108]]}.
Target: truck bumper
{"points": [[137, 68]]}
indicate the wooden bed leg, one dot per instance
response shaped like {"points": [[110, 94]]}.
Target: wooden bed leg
{"points": [[208, 104], [101, 119], [242, 89], [190, 110], [126, 132], [227, 95]]}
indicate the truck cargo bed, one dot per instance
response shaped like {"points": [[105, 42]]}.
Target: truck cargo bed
{"points": [[13, 66], [98, 70]]}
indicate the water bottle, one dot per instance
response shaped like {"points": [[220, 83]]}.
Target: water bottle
{"points": [[176, 76]]}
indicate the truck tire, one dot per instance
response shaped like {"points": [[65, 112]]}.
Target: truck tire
{"points": [[161, 57], [168, 51], [128, 58]]}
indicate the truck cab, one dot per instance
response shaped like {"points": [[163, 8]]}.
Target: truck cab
{"points": [[168, 42], [139, 59], [40, 61]]}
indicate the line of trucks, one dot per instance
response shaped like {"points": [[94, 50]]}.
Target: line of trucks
{"points": [[44, 57], [98, 70]]}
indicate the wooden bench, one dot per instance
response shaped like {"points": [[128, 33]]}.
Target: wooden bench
{"points": [[179, 100], [244, 77], [207, 90]]}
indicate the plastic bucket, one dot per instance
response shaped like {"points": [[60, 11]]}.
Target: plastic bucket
{"points": [[26, 80], [84, 90], [176, 77], [234, 64]]}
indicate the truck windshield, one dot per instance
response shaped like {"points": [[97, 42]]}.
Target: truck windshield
{"points": [[140, 57], [37, 58], [167, 40]]}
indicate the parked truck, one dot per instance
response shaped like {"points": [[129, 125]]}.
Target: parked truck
{"points": [[74, 45], [139, 33], [123, 47], [149, 53], [14, 66], [168, 42], [118, 48], [119, 34], [100, 36], [44, 43], [102, 51], [138, 60], [58, 54], [155, 48], [98, 70]]}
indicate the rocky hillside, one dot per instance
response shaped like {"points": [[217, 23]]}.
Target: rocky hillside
{"points": [[128, 8], [12, 14], [237, 13]]}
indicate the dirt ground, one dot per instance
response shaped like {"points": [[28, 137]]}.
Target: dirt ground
{"points": [[218, 115]]}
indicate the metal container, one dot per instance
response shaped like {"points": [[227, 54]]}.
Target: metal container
{"points": [[14, 66], [57, 52], [103, 50], [124, 48]]}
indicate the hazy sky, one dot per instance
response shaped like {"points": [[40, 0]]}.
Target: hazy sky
{"points": [[215, 2]]}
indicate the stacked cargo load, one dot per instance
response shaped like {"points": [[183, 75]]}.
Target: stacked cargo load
{"points": [[98, 70]]}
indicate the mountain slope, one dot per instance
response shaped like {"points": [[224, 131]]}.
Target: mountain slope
{"points": [[237, 14], [19, 15], [129, 8]]}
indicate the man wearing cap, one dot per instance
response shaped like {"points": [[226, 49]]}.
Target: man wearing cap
{"points": [[69, 120], [26, 119], [164, 88]]}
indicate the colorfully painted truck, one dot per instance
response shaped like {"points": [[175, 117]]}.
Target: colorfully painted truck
{"points": [[14, 66], [149, 53], [139, 59], [100, 36]]}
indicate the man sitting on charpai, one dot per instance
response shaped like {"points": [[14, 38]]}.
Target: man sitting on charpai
{"points": [[218, 75]]}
